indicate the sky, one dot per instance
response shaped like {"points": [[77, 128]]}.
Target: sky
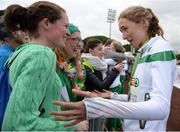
{"points": [[91, 16]]}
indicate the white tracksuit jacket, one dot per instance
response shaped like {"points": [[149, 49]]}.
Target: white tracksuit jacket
{"points": [[154, 75]]}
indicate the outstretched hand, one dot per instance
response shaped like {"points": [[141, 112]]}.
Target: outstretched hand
{"points": [[86, 94], [105, 94], [76, 114]]}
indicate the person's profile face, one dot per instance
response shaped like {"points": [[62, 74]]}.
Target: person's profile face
{"points": [[98, 51], [134, 33], [72, 44], [58, 31]]}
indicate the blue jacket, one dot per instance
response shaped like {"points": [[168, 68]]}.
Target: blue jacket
{"points": [[5, 52]]}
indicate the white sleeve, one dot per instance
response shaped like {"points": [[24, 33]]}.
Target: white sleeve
{"points": [[103, 108], [120, 97], [157, 108], [110, 62]]}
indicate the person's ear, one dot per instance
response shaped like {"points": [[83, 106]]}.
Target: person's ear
{"points": [[45, 23], [91, 51], [17, 34]]}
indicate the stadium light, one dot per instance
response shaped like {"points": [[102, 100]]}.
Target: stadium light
{"points": [[111, 19]]}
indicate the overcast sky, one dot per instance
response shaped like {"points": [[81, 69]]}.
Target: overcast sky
{"points": [[91, 15]]}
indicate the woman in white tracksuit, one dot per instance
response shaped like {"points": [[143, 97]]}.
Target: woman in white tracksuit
{"points": [[147, 105]]}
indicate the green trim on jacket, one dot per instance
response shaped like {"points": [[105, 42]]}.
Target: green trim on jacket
{"points": [[161, 56]]}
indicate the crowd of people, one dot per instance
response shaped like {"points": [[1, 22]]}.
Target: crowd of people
{"points": [[59, 83]]}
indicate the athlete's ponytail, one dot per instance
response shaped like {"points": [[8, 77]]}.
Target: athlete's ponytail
{"points": [[154, 27]]}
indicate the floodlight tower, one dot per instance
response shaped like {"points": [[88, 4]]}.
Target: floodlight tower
{"points": [[111, 19]]}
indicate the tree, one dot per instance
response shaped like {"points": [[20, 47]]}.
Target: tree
{"points": [[178, 56], [127, 47], [102, 38]]}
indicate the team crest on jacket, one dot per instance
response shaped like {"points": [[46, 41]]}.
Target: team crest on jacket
{"points": [[134, 82]]}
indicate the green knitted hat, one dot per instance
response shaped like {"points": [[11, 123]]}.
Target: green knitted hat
{"points": [[72, 28]]}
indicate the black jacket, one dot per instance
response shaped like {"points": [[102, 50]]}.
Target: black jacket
{"points": [[94, 80]]}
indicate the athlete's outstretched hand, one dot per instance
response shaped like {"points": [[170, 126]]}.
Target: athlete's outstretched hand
{"points": [[105, 94], [76, 114]]}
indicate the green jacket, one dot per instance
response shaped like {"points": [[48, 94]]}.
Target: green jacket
{"points": [[66, 82], [35, 84]]}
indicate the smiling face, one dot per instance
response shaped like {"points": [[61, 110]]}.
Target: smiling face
{"points": [[72, 45], [97, 51], [134, 33], [57, 32]]}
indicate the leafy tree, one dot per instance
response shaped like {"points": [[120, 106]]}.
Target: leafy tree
{"points": [[127, 47], [178, 56], [102, 38]]}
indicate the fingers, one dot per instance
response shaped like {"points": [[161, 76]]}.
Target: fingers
{"points": [[107, 91], [104, 90], [65, 118], [68, 112], [119, 66], [83, 93], [78, 112], [96, 91], [74, 122], [69, 118], [73, 105]]}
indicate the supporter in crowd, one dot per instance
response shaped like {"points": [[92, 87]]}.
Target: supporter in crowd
{"points": [[117, 53], [70, 69], [118, 84], [10, 40], [32, 75], [117, 50], [147, 106], [109, 51], [97, 76]]}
